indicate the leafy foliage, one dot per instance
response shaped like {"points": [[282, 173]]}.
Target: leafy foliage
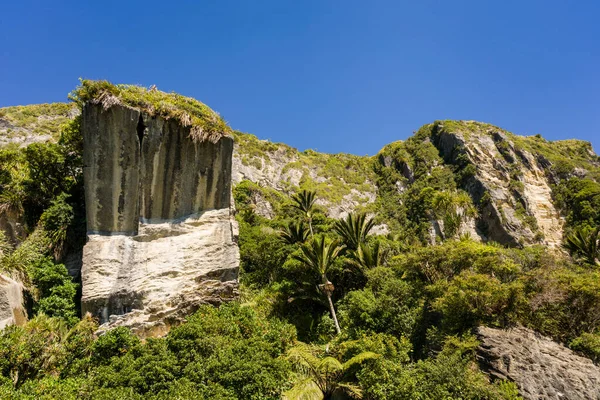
{"points": [[585, 244], [295, 232], [354, 229], [406, 302]]}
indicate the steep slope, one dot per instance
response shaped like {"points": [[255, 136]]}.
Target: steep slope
{"points": [[161, 237], [344, 182], [520, 188], [517, 184], [509, 184], [24, 125]]}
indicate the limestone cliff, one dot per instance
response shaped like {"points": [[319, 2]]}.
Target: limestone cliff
{"points": [[541, 368], [161, 238], [12, 309], [510, 185], [344, 182]]}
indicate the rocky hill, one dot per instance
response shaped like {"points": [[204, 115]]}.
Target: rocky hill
{"points": [[140, 194], [512, 180]]}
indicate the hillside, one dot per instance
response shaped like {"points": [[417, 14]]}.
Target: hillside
{"points": [[425, 271]]}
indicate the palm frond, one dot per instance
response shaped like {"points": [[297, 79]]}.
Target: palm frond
{"points": [[304, 201], [319, 254], [330, 366], [584, 243], [303, 359], [305, 389], [366, 257], [350, 390], [359, 359], [354, 229], [295, 232]]}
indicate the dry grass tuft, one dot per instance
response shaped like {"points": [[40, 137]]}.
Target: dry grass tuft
{"points": [[204, 123]]}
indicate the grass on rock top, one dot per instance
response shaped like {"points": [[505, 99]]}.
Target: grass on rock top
{"points": [[204, 123]]}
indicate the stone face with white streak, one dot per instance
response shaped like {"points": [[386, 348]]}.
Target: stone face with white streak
{"points": [[161, 235], [12, 311], [159, 276], [511, 201]]}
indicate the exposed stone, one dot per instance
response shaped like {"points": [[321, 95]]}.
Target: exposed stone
{"points": [[12, 311], [12, 225], [156, 278], [274, 170], [541, 368], [498, 192], [161, 236]]}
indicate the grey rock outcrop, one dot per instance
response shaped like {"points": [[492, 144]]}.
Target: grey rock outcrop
{"points": [[161, 236], [12, 225], [281, 167], [510, 185], [12, 311], [541, 368]]}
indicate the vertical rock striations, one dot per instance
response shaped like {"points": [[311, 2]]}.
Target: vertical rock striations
{"points": [[162, 239]]}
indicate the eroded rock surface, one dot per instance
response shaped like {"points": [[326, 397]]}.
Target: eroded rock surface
{"points": [[281, 167], [12, 311], [510, 185], [541, 368], [162, 239]]}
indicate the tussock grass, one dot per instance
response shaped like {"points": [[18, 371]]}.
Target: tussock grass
{"points": [[205, 124]]}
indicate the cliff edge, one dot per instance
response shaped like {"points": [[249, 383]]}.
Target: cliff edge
{"points": [[161, 236]]}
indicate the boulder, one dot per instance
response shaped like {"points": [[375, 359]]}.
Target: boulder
{"points": [[541, 368]]}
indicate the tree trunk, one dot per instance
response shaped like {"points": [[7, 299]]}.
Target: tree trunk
{"points": [[337, 325]]}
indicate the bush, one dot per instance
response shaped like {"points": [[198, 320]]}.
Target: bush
{"points": [[588, 344]]}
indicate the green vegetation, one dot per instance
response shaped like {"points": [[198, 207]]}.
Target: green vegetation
{"points": [[339, 175], [39, 119], [396, 325], [584, 244], [204, 123], [416, 187], [576, 172]]}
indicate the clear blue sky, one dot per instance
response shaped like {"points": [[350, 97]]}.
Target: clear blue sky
{"points": [[335, 76]]}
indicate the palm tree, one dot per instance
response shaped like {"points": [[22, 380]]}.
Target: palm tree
{"points": [[585, 244], [305, 202], [366, 257], [323, 378], [354, 229], [319, 256], [295, 232]]}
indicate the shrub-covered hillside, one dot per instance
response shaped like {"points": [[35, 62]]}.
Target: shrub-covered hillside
{"points": [[379, 300]]}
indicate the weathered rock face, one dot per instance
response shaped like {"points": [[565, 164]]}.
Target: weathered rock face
{"points": [[12, 311], [162, 239], [281, 167], [12, 225], [510, 185], [541, 368]]}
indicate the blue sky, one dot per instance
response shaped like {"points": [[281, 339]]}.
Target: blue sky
{"points": [[336, 76]]}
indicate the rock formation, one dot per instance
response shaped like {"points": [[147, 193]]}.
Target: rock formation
{"points": [[541, 368], [510, 184], [281, 167], [12, 311], [161, 237]]}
